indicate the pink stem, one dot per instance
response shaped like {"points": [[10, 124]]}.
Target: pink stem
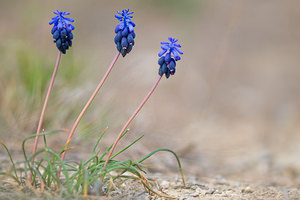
{"points": [[130, 119], [88, 104], [44, 109]]}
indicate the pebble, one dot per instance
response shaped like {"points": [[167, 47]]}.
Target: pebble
{"points": [[211, 191], [248, 190], [197, 192], [165, 184], [203, 186], [194, 187]]}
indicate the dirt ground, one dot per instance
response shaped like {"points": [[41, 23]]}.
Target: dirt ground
{"points": [[231, 112], [169, 188]]}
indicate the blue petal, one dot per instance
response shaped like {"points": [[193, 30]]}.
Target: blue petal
{"points": [[176, 56], [69, 19], [170, 39], [177, 45], [121, 25], [50, 23], [133, 24], [126, 19], [165, 47], [162, 52], [67, 23], [69, 26], [178, 50], [131, 29], [119, 18], [165, 43], [60, 25]]}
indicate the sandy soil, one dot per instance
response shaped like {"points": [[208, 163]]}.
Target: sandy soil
{"points": [[169, 188]]}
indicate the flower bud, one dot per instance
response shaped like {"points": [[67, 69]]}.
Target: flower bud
{"points": [[118, 37], [164, 68], [130, 38], [168, 58], [58, 43], [172, 70], [125, 32], [119, 47], [123, 52], [161, 60], [56, 34], [129, 48], [63, 33], [168, 73], [124, 43]]}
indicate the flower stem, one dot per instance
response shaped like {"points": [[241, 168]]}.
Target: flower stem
{"points": [[44, 109], [88, 104], [129, 121]]}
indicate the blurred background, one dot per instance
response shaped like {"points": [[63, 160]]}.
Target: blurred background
{"points": [[232, 109]]}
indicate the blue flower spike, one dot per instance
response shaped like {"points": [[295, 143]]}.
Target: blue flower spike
{"points": [[125, 34], [62, 30], [167, 63]]}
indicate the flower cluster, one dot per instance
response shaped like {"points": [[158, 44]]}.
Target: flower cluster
{"points": [[62, 30], [168, 63], [125, 34]]}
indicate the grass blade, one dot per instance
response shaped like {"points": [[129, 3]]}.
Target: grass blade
{"points": [[127, 147], [100, 137], [168, 150], [108, 149], [12, 162]]}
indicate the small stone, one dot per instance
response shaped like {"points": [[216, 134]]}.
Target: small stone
{"points": [[197, 192], [211, 191], [123, 186], [203, 186], [194, 187], [248, 190], [165, 183]]}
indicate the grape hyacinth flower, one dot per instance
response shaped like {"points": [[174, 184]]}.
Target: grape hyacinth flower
{"points": [[124, 41], [62, 30], [167, 66], [168, 62], [125, 34], [62, 35]]}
